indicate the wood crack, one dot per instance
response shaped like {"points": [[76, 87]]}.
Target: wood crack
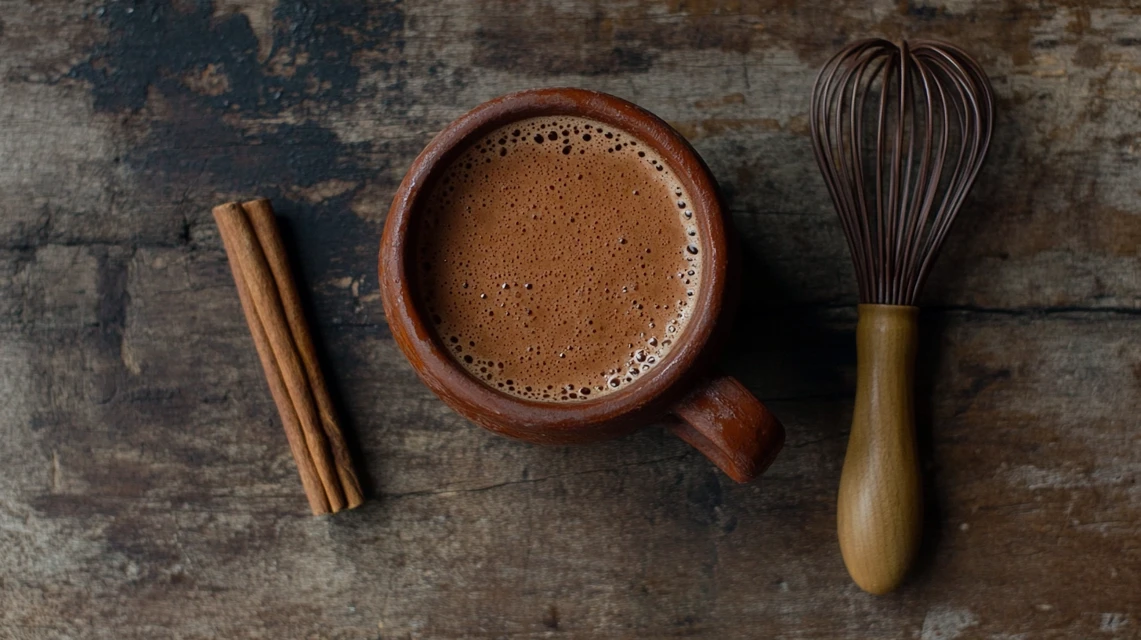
{"points": [[508, 483]]}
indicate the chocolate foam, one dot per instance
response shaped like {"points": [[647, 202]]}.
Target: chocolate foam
{"points": [[557, 259]]}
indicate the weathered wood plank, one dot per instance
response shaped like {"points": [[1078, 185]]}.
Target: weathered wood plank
{"points": [[147, 490]]}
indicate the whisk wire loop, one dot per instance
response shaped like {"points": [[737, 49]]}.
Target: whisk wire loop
{"points": [[899, 132]]}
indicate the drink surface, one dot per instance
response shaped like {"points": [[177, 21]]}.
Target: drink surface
{"points": [[557, 259]]}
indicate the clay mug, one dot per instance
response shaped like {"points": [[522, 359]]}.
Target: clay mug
{"points": [[714, 413]]}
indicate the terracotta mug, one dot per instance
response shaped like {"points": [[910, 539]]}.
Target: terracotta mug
{"points": [[715, 414]]}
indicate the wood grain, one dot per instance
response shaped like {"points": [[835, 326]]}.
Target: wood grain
{"points": [[139, 501]]}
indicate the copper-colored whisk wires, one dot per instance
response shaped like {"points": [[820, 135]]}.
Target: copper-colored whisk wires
{"points": [[900, 133]]}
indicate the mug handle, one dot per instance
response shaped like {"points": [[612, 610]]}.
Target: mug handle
{"points": [[722, 420]]}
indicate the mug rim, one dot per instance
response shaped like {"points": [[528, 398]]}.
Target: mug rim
{"points": [[530, 419]]}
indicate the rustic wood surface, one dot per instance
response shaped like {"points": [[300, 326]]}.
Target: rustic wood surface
{"points": [[146, 489]]}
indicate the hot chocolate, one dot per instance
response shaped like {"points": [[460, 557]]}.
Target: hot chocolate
{"points": [[557, 258]]}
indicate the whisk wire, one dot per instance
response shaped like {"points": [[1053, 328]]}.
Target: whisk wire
{"points": [[856, 163], [900, 174], [897, 188], [931, 164], [976, 112]]}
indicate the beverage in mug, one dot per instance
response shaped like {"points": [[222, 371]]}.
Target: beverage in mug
{"points": [[557, 258]]}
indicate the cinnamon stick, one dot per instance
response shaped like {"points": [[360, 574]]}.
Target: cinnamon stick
{"points": [[273, 312], [265, 228], [309, 480]]}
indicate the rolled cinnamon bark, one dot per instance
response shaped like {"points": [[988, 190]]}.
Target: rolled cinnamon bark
{"points": [[273, 311], [269, 237]]}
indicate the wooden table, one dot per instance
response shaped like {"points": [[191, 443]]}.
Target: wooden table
{"points": [[146, 490]]}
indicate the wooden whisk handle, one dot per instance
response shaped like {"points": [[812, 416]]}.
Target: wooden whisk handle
{"points": [[879, 508]]}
